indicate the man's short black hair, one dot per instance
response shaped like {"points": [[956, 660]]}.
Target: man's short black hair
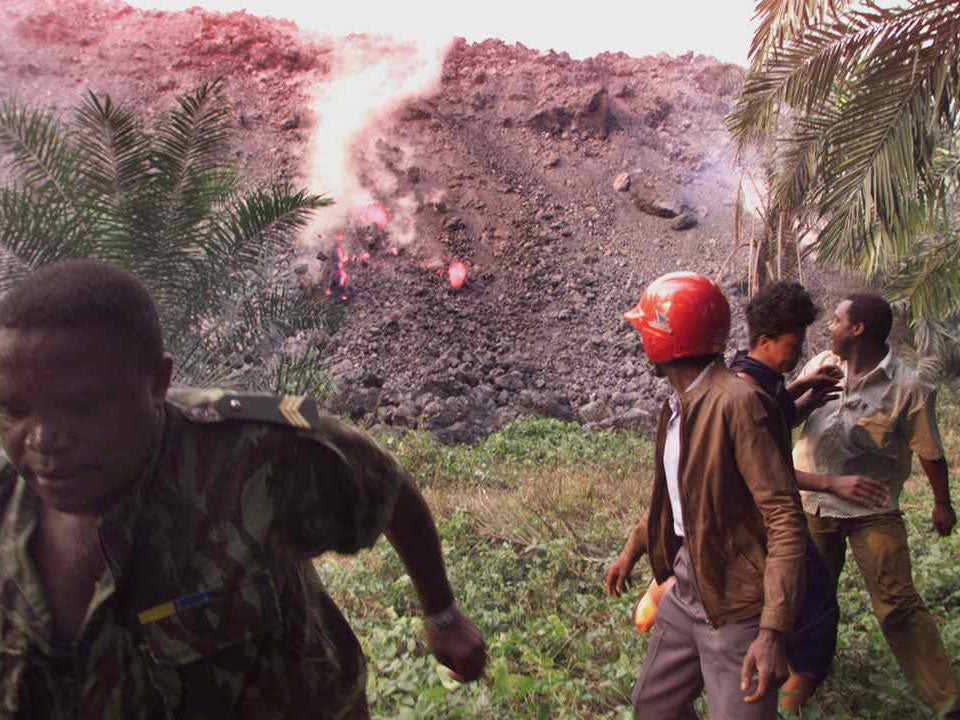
{"points": [[874, 312], [88, 294], [778, 309]]}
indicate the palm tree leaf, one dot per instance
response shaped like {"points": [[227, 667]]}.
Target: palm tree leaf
{"points": [[253, 225], [869, 179], [112, 150], [805, 70], [190, 160], [929, 278], [35, 230], [784, 21], [41, 156], [38, 150], [167, 206]]}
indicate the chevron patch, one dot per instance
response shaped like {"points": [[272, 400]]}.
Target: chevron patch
{"points": [[289, 407]]}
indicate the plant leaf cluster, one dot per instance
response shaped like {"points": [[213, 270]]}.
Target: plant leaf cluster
{"points": [[166, 203], [860, 102]]}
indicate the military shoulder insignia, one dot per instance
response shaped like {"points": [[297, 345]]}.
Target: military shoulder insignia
{"points": [[210, 406]]}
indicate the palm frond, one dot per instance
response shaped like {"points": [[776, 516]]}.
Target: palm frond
{"points": [[849, 46], [251, 341], [192, 170], [868, 184], [167, 205], [41, 156], [936, 352], [783, 21], [254, 223], [112, 150], [873, 95], [114, 170], [297, 373], [35, 230], [38, 150], [928, 280]]}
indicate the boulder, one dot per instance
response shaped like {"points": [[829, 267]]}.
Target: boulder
{"points": [[636, 419], [658, 207], [547, 404], [551, 120], [685, 221], [512, 380], [444, 386], [597, 118], [351, 400], [595, 412]]}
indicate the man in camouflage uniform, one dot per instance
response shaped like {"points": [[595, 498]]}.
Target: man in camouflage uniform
{"points": [[155, 550]]}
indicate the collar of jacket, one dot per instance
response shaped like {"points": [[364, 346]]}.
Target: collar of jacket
{"points": [[704, 382]]}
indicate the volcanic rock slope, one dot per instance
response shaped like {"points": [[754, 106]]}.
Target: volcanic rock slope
{"points": [[517, 161], [564, 186]]}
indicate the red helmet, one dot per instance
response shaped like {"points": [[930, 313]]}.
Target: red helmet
{"points": [[681, 315]]}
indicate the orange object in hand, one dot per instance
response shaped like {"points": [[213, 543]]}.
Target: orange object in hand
{"points": [[646, 610]]}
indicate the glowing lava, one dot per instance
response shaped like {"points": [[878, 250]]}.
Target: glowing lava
{"points": [[373, 214], [340, 278], [457, 273]]}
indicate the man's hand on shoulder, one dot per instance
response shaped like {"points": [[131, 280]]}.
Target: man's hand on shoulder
{"points": [[944, 518], [766, 661], [817, 389], [457, 643]]}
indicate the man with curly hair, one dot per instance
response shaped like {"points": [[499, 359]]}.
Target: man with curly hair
{"points": [[777, 319]]}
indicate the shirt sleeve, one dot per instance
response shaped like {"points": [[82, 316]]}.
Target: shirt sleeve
{"points": [[336, 490], [768, 474], [923, 432]]}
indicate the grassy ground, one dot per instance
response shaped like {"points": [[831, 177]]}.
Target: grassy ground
{"points": [[530, 520]]}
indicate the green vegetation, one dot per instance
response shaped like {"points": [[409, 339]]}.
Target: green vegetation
{"points": [[530, 520], [166, 203], [858, 103]]}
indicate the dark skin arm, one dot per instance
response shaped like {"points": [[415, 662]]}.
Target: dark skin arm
{"points": [[459, 644], [855, 488], [944, 517], [767, 660], [618, 575], [814, 391]]}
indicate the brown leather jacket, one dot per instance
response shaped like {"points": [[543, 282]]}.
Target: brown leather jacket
{"points": [[743, 522]]}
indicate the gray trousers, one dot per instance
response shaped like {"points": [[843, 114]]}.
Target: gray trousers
{"points": [[686, 656]]}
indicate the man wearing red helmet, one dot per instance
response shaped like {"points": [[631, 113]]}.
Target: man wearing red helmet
{"points": [[724, 519]]}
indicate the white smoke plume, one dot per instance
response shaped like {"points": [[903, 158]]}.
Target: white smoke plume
{"points": [[370, 79]]}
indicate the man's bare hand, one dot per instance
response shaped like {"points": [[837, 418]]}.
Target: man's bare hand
{"points": [[833, 371], [818, 389], [460, 647], [765, 660], [618, 575], [944, 518], [859, 489]]}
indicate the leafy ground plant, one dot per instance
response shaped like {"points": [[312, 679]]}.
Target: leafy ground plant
{"points": [[164, 202], [530, 520]]}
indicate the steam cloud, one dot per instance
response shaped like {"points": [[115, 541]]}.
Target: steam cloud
{"points": [[371, 79]]}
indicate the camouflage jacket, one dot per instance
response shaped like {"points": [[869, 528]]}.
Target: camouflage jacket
{"points": [[210, 606]]}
